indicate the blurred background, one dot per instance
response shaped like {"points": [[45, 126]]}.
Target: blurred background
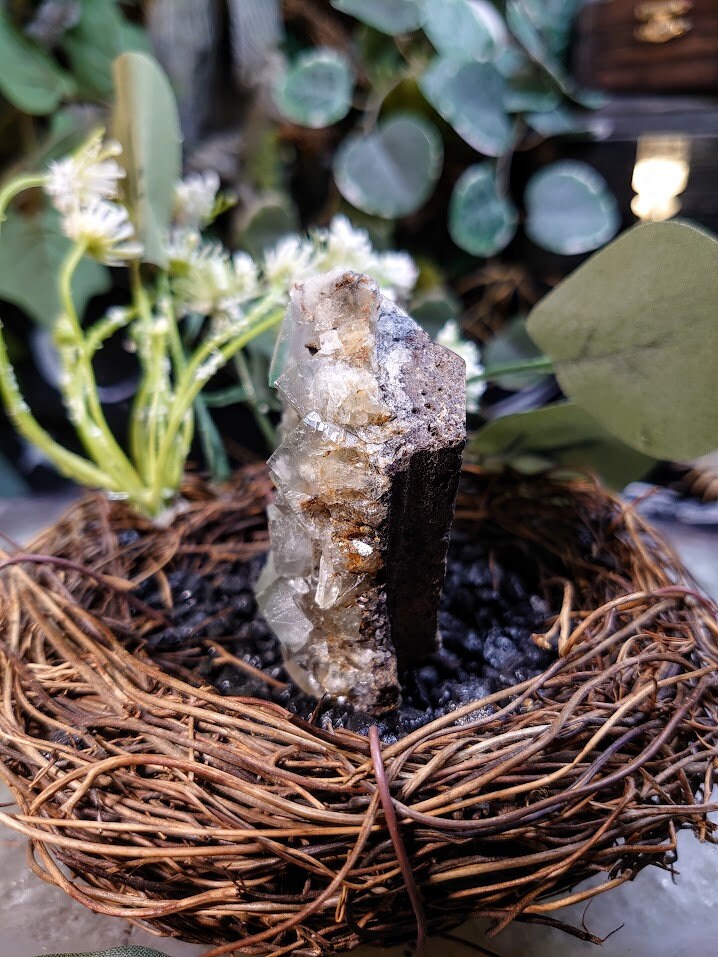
{"points": [[499, 143]]}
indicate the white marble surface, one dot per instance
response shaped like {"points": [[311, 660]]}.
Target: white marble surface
{"points": [[660, 917]]}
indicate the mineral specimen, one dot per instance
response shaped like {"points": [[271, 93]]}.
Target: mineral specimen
{"points": [[366, 479]]}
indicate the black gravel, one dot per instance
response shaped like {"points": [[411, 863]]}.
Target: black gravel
{"points": [[489, 611]]}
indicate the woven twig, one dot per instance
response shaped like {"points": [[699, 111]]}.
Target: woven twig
{"points": [[231, 822]]}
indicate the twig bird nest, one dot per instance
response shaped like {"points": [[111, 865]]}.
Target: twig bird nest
{"points": [[232, 822]]}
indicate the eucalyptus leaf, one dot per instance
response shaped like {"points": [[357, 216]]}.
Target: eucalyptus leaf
{"points": [[29, 78], [470, 97], [526, 22], [512, 344], [561, 435], [481, 220], [570, 209], [465, 29], [562, 121], [91, 46], [388, 16], [553, 19], [632, 334], [32, 249], [531, 93], [146, 123], [316, 90], [391, 171]]}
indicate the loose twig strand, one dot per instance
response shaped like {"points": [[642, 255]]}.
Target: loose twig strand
{"points": [[231, 822]]}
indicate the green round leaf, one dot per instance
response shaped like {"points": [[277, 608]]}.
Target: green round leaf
{"points": [[465, 29], [316, 90], [530, 93], [570, 209], [388, 16], [101, 34], [560, 435], [391, 171], [481, 221], [632, 335], [29, 77], [470, 97], [556, 122], [34, 248]]}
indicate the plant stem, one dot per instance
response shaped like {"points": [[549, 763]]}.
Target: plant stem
{"points": [[537, 364], [260, 415], [16, 186], [69, 464], [98, 440]]}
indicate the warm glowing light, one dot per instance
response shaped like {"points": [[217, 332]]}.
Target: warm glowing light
{"points": [[659, 176]]}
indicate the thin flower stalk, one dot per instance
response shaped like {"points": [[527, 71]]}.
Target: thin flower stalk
{"points": [[79, 385]]}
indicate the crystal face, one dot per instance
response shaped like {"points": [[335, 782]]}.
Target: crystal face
{"points": [[366, 476]]}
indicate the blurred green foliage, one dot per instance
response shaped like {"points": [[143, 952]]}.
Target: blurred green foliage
{"points": [[492, 74]]}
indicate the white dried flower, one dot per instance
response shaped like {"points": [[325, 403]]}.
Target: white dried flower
{"points": [[90, 174], [450, 336], [289, 261], [344, 247], [194, 199], [396, 274], [182, 246], [216, 284], [105, 230]]}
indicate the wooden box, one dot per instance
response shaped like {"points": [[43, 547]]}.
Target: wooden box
{"points": [[648, 45]]}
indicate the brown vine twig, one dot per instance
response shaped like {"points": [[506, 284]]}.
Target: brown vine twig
{"points": [[393, 827]]}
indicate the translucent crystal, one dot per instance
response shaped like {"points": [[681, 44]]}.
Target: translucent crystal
{"points": [[366, 478]]}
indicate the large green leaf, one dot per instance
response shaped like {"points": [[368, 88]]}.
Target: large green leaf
{"points": [[634, 338], [561, 435], [481, 220], [391, 171], [465, 29], [316, 90], [29, 77], [32, 249], [470, 97], [91, 46], [570, 209], [389, 16], [146, 123]]}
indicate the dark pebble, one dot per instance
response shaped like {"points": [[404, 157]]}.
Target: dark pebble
{"points": [[489, 611]]}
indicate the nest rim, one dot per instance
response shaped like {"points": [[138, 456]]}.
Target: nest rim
{"points": [[360, 817]]}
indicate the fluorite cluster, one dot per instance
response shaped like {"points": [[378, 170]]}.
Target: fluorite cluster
{"points": [[366, 478]]}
